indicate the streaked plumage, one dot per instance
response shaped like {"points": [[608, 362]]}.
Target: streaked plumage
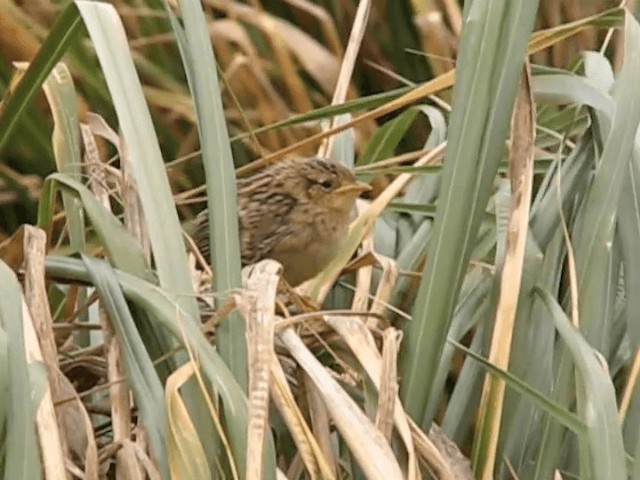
{"points": [[295, 212]]}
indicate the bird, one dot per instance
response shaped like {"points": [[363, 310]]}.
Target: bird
{"points": [[295, 211]]}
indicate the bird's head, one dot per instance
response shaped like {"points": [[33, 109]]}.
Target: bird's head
{"points": [[331, 185]]}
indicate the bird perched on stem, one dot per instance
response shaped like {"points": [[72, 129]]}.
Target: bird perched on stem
{"points": [[293, 211]]}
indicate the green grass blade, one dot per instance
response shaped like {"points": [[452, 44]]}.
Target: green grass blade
{"points": [[22, 456], [350, 106], [545, 214], [629, 231], [386, 138], [122, 249], [62, 33], [562, 415], [596, 400], [200, 65], [593, 246], [493, 47], [63, 102], [143, 380], [110, 42], [163, 308], [567, 89]]}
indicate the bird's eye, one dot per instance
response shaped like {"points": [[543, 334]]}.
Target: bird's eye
{"points": [[327, 184]]}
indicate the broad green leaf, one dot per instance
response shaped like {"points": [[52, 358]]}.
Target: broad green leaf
{"points": [[566, 89]]}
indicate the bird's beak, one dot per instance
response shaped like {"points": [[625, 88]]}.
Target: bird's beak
{"points": [[357, 187]]}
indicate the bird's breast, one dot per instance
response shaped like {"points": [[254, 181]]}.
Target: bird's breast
{"points": [[317, 245]]}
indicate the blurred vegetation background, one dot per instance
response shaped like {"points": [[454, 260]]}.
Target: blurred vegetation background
{"points": [[497, 248], [278, 59]]}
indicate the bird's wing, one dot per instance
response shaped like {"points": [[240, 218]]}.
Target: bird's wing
{"points": [[264, 222]]}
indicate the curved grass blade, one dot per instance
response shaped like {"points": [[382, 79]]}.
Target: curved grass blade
{"points": [[122, 249], [143, 379], [604, 451], [566, 89], [596, 229], [386, 138], [187, 458], [162, 306]]}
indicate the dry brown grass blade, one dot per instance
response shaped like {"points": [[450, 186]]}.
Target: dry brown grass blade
{"points": [[17, 42], [325, 20], [134, 219], [429, 88], [249, 84], [386, 284], [26, 250], [33, 251], [364, 276], [346, 68], [457, 464], [437, 42], [451, 8], [361, 343], [186, 454], [556, 35], [255, 303], [51, 448], [556, 14], [295, 86], [320, 423], [93, 165], [289, 42], [142, 457], [388, 391], [314, 58], [315, 459], [367, 444], [523, 125], [539, 41], [101, 175], [630, 386], [79, 430], [368, 258], [180, 105], [128, 464], [119, 395]]}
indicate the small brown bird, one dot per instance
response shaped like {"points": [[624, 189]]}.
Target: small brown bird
{"points": [[293, 211]]}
